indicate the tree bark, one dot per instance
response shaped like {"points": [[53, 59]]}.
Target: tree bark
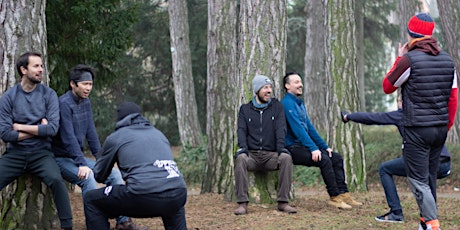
{"points": [[342, 91], [449, 13], [223, 97], [184, 90], [262, 42], [315, 61], [26, 203]]}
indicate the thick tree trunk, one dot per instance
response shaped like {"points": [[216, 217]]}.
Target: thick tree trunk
{"points": [[223, 97], [449, 13], [262, 42], [184, 90], [359, 17], [315, 62], [343, 89], [26, 203]]}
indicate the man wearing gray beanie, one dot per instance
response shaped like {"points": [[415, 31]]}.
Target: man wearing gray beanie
{"points": [[261, 132]]}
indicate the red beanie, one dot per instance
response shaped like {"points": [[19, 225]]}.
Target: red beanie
{"points": [[420, 25]]}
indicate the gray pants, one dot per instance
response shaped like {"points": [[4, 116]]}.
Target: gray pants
{"points": [[263, 161]]}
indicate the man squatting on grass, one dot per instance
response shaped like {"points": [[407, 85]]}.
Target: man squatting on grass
{"points": [[394, 167]]}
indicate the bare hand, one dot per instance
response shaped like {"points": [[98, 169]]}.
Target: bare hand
{"points": [[44, 121], [402, 49], [16, 126], [84, 172], [316, 155], [329, 150]]}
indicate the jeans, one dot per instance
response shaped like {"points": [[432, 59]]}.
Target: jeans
{"points": [[69, 171], [396, 167], [104, 203]]}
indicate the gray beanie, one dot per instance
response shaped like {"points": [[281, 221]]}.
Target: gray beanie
{"points": [[259, 81]]}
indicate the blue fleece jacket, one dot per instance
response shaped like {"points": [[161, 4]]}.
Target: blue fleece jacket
{"points": [[300, 130]]}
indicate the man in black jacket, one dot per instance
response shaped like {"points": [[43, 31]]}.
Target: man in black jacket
{"points": [[261, 132], [394, 167]]}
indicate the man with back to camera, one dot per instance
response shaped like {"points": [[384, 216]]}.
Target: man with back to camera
{"points": [[394, 167], [261, 132], [154, 185], [29, 117], [428, 82], [76, 127]]}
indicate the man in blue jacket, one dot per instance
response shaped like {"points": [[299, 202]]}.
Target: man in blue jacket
{"points": [[309, 149], [76, 128], [261, 131], [393, 167]]}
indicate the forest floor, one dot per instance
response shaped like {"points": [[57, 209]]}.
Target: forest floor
{"points": [[211, 211]]}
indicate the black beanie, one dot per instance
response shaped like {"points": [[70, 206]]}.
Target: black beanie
{"points": [[126, 108]]}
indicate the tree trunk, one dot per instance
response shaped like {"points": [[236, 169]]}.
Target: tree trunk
{"points": [[184, 90], [223, 97], [262, 50], [342, 89], [26, 203], [262, 42], [449, 13], [359, 19], [315, 61]]}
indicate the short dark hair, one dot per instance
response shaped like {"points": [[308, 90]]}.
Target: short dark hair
{"points": [[23, 61], [286, 78], [76, 72]]}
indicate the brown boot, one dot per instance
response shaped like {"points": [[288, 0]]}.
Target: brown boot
{"points": [[285, 207], [129, 225], [335, 201], [242, 209], [346, 197]]}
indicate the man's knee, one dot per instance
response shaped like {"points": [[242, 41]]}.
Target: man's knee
{"points": [[285, 158]]}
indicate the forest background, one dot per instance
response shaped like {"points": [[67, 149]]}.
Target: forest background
{"points": [[160, 54]]}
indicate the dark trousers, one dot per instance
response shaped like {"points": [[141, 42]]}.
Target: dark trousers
{"points": [[112, 201], [395, 167], [331, 168], [263, 161], [422, 149], [41, 163]]}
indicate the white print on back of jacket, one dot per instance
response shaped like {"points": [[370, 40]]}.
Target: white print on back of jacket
{"points": [[170, 166]]}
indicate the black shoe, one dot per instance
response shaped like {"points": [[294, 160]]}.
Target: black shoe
{"points": [[343, 114], [390, 218]]}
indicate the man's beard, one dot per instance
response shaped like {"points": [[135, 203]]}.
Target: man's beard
{"points": [[261, 99], [33, 80]]}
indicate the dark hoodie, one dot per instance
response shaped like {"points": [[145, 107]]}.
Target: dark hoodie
{"points": [[143, 155]]}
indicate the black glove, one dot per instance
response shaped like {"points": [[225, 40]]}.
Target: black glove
{"points": [[241, 151]]}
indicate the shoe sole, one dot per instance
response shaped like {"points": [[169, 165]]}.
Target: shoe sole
{"points": [[389, 221]]}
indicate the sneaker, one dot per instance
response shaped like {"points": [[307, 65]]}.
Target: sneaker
{"points": [[343, 115], [242, 209], [129, 225], [390, 218], [285, 207], [346, 197], [335, 201]]}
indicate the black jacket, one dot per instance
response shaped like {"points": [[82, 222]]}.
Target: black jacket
{"points": [[262, 129]]}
